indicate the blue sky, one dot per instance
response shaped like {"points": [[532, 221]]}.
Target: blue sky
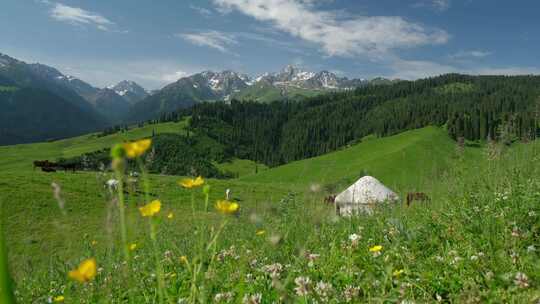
{"points": [[156, 42]]}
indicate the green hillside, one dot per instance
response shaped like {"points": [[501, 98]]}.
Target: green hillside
{"points": [[440, 248], [407, 160], [20, 157]]}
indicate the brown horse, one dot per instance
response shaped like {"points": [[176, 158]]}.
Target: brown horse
{"points": [[417, 196]]}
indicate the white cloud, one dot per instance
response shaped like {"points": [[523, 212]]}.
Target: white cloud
{"points": [[508, 71], [172, 77], [441, 5], [338, 35], [213, 39], [438, 5], [415, 69], [470, 54], [79, 16], [202, 11]]}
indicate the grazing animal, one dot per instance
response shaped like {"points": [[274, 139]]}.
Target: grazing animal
{"points": [[41, 164], [330, 199], [66, 167], [48, 169], [417, 196]]}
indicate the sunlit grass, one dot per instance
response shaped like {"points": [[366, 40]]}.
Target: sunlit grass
{"points": [[476, 241]]}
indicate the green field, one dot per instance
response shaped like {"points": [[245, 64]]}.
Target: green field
{"points": [[20, 157], [471, 243]]}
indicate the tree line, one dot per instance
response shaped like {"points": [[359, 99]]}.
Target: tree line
{"points": [[470, 107]]}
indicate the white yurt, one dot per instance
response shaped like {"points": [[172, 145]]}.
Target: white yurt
{"points": [[361, 196]]}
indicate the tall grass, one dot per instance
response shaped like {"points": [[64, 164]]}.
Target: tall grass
{"points": [[477, 241]]}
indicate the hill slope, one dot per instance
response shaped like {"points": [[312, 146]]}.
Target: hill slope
{"points": [[30, 115], [20, 157], [409, 158]]}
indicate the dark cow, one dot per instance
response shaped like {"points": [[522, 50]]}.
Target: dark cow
{"points": [[41, 164], [46, 166], [48, 169], [72, 167], [417, 196]]}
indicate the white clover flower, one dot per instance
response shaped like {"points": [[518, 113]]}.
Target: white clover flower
{"points": [[521, 280], [324, 290], [302, 286], [252, 299], [350, 293]]}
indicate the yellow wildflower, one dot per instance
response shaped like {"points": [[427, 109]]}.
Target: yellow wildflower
{"points": [[93, 243], [191, 183], [227, 207], [183, 259], [397, 273], [85, 272], [170, 215], [150, 209], [59, 299], [136, 148], [260, 232], [132, 246], [375, 248]]}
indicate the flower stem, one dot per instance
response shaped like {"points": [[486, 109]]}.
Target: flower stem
{"points": [[193, 202], [153, 235], [6, 289]]}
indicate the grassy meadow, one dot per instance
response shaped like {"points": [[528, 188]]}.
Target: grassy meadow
{"points": [[476, 241]]}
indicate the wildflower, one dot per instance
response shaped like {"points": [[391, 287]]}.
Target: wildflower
{"points": [[354, 237], [274, 270], [350, 293], [515, 232], [252, 299], [521, 280], [302, 286], [260, 232], [85, 272], [532, 213], [132, 246], [311, 257], [227, 207], [223, 297], [59, 299], [375, 248], [397, 273], [93, 243], [136, 148], [324, 290], [531, 248], [150, 209], [170, 215], [184, 259], [191, 183]]}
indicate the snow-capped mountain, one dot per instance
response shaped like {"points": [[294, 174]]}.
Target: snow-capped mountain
{"points": [[130, 91], [297, 77], [223, 83], [292, 82]]}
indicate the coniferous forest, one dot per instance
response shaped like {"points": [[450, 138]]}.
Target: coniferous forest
{"points": [[473, 108]]}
